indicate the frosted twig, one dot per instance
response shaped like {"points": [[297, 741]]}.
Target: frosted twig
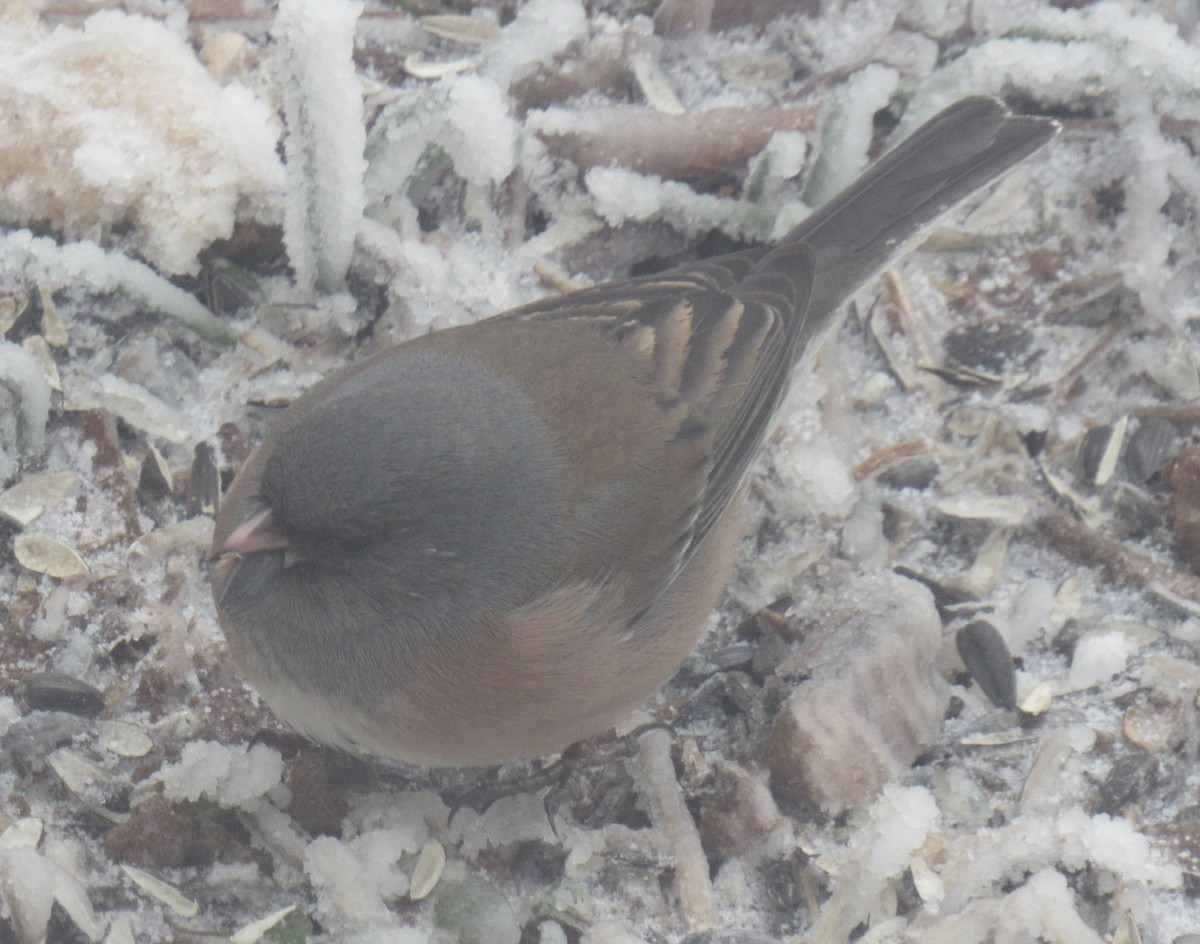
{"points": [[669, 812], [20, 373], [620, 195], [42, 261], [847, 128], [1122, 563], [322, 104], [680, 147], [599, 64]]}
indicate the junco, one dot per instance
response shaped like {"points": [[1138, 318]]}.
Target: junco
{"points": [[492, 541]]}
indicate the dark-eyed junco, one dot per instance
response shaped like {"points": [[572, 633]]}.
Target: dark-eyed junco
{"points": [[492, 541]]}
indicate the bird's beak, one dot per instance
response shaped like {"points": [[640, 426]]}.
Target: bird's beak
{"points": [[232, 568], [256, 533]]}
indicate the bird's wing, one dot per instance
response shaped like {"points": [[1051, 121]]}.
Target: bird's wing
{"points": [[703, 353], [672, 385]]}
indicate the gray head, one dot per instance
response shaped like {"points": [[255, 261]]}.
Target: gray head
{"points": [[408, 497]]}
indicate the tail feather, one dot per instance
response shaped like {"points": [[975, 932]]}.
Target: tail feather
{"points": [[854, 235]]}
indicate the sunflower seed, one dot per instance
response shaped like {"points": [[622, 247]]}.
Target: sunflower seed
{"points": [[26, 501], [431, 862], [169, 895], [25, 833], [657, 91], [124, 739], [986, 656], [46, 555], [154, 479], [56, 691], [469, 30], [1148, 447], [202, 496], [253, 932], [52, 325]]}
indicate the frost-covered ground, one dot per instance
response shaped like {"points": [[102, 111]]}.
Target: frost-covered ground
{"points": [[209, 204]]}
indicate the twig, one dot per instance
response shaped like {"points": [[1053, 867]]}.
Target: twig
{"points": [[669, 813], [1175, 412], [887, 455], [1122, 563]]}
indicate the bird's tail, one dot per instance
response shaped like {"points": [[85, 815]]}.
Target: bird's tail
{"points": [[959, 150], [852, 237]]}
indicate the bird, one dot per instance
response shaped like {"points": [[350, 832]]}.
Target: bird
{"points": [[493, 541]]}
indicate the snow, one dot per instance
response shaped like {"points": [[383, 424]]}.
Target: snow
{"points": [[127, 127], [1112, 844], [1098, 658], [1029, 613], [900, 819], [348, 891], [898, 824], [846, 131], [41, 261], [26, 383], [551, 933], [230, 776], [9, 712], [508, 821], [622, 195], [483, 139], [25, 890], [322, 103], [542, 29], [815, 474]]}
